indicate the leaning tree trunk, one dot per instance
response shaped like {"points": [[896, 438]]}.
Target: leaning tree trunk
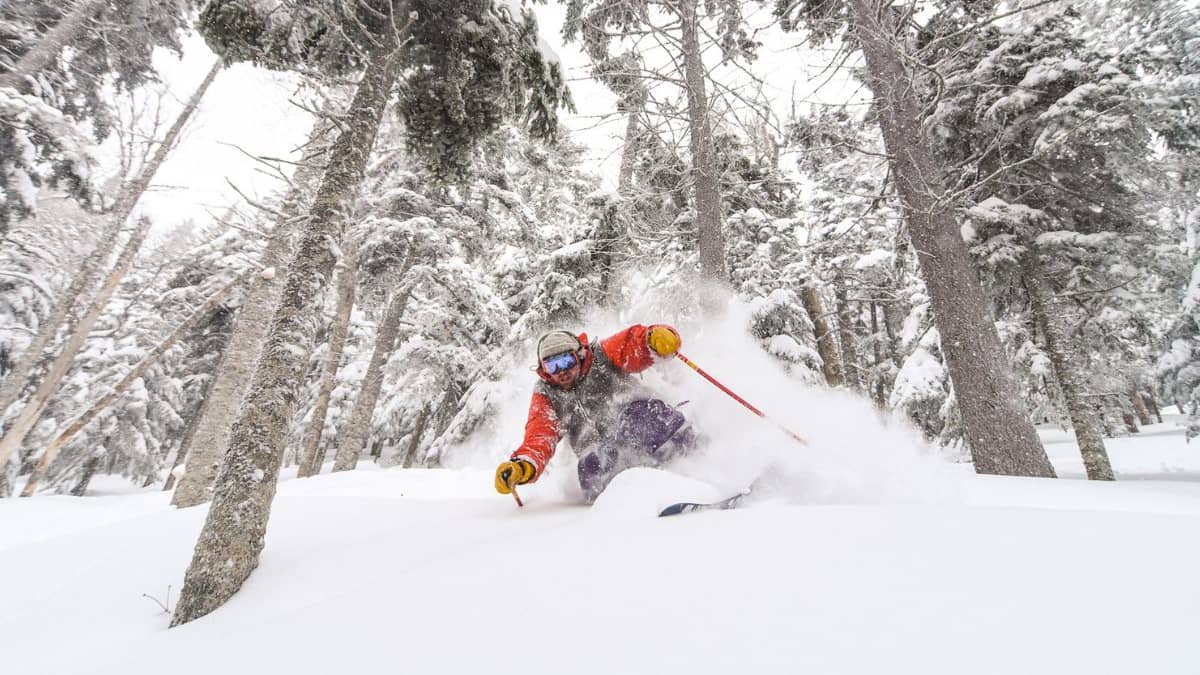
{"points": [[704, 164], [85, 476], [132, 376], [414, 443], [50, 45], [354, 435], [1068, 372], [831, 361], [31, 412], [85, 278], [338, 330], [202, 456], [1148, 399], [851, 368], [232, 537], [1139, 405], [997, 428]]}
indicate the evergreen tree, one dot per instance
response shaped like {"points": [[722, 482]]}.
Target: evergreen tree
{"points": [[597, 24], [56, 59], [466, 66], [999, 433]]}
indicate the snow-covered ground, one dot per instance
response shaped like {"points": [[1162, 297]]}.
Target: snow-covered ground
{"points": [[429, 571]]}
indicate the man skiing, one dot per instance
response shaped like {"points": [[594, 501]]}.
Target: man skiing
{"points": [[585, 395]]}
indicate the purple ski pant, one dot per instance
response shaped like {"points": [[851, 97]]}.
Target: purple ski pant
{"points": [[648, 432]]}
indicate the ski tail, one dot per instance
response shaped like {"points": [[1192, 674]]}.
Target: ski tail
{"points": [[688, 507]]}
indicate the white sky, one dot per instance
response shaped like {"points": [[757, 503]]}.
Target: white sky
{"points": [[249, 108]]}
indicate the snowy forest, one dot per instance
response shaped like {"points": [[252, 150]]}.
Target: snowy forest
{"points": [[976, 220]]}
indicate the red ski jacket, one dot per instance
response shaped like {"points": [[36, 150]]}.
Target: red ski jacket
{"points": [[555, 413]]}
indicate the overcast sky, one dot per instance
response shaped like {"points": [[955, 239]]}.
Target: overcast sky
{"points": [[249, 108]]}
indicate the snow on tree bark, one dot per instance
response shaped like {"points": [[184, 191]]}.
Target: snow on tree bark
{"points": [[880, 391], [132, 376], [704, 167], [83, 280], [31, 412], [999, 433], [208, 445], [354, 436], [51, 44], [628, 152], [1085, 420], [851, 369], [338, 331], [233, 533]]}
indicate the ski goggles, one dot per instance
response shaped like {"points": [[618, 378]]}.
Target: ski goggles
{"points": [[557, 364]]}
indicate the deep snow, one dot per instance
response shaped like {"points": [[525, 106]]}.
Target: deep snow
{"points": [[428, 571]]}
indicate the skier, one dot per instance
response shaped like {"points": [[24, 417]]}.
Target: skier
{"points": [[586, 396]]}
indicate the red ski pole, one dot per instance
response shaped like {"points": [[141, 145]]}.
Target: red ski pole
{"points": [[737, 398]]}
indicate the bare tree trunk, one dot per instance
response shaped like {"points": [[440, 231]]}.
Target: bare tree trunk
{"points": [[50, 45], [410, 453], [877, 349], [203, 455], [831, 361], [28, 416], [1130, 422], [852, 369], [16, 379], [997, 428], [1059, 350], [232, 537], [628, 151], [704, 166], [132, 376], [85, 477], [337, 342], [1148, 399], [189, 431], [1139, 406], [354, 436]]}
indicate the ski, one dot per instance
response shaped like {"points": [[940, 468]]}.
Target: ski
{"points": [[688, 507]]}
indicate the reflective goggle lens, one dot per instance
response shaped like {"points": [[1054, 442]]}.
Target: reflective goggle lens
{"points": [[559, 363]]}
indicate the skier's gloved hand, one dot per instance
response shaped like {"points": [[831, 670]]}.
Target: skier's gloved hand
{"points": [[513, 472], [663, 339]]}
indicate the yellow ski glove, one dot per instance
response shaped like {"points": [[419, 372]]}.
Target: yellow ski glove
{"points": [[513, 472], [663, 339]]}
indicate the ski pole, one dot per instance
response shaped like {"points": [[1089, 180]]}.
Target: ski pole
{"points": [[737, 398], [517, 496]]}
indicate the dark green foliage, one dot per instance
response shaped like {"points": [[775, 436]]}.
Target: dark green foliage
{"points": [[1059, 124], [467, 64], [823, 19], [38, 146]]}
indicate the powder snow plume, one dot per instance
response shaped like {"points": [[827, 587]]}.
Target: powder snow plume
{"points": [[854, 452]]}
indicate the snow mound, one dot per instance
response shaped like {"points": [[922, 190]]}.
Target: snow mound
{"points": [[636, 493]]}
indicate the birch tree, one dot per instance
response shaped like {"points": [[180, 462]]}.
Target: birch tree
{"points": [[51, 451], [77, 293]]}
